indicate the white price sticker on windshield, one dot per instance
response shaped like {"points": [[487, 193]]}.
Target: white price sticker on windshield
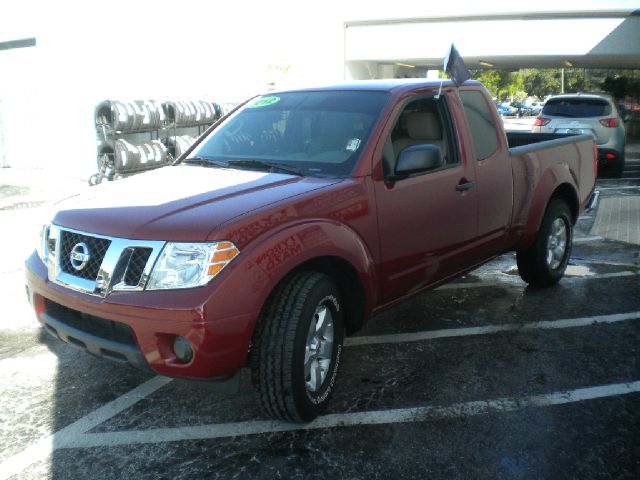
{"points": [[352, 144]]}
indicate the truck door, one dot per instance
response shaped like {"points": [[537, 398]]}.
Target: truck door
{"points": [[427, 220], [493, 171]]}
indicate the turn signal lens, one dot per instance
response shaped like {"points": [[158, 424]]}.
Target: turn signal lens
{"points": [[609, 122], [541, 121], [221, 257]]}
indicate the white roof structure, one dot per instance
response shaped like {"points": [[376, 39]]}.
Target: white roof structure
{"points": [[607, 38]]}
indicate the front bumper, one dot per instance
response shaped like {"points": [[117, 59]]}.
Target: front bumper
{"points": [[59, 325], [139, 328]]}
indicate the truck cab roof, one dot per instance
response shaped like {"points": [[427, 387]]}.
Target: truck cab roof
{"points": [[385, 85]]}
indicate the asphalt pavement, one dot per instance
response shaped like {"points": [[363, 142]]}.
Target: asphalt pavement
{"points": [[481, 378]]}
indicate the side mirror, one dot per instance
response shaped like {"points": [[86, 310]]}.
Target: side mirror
{"points": [[417, 159]]}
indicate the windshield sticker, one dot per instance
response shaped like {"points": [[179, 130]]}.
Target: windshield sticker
{"points": [[352, 144], [264, 102]]}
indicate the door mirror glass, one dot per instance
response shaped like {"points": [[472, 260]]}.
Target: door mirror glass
{"points": [[417, 159]]}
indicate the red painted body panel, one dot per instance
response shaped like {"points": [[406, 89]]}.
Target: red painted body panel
{"points": [[400, 238]]}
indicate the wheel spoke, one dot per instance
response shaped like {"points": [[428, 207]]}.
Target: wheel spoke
{"points": [[316, 376], [556, 243], [308, 361], [325, 350], [322, 316], [311, 333]]}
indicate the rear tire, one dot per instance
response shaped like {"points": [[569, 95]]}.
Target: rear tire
{"points": [[544, 263], [297, 347]]}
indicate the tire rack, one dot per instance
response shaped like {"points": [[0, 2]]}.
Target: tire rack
{"points": [[146, 123]]}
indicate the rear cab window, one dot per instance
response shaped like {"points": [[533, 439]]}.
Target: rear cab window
{"points": [[480, 119]]}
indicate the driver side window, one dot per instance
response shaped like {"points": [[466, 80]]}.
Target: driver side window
{"points": [[421, 122]]}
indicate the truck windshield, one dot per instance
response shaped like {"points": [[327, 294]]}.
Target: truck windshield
{"points": [[315, 133]]}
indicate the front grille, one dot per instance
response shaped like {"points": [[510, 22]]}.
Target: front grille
{"points": [[137, 264], [99, 327], [97, 247]]}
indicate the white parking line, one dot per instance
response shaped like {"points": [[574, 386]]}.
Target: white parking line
{"points": [[617, 179], [593, 238], [513, 280], [44, 447], [75, 436], [341, 420], [489, 329]]}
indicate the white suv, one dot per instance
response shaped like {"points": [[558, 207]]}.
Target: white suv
{"points": [[587, 113]]}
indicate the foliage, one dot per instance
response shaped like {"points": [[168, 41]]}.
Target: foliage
{"points": [[541, 83], [502, 84], [621, 86]]}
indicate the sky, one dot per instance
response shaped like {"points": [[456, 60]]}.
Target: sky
{"points": [[88, 51]]}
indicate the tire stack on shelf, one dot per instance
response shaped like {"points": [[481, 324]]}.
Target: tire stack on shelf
{"points": [[140, 135]]}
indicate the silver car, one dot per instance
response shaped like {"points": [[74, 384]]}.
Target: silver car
{"points": [[595, 114]]}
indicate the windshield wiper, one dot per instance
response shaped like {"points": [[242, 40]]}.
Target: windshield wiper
{"points": [[269, 166], [206, 162]]}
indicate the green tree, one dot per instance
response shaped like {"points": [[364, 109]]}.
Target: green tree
{"points": [[541, 83], [621, 86]]}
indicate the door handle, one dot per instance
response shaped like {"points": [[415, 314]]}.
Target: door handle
{"points": [[464, 185]]}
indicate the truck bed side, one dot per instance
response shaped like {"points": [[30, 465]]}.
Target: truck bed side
{"points": [[561, 166]]}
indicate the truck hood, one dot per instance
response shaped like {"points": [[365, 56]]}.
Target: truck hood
{"points": [[181, 203]]}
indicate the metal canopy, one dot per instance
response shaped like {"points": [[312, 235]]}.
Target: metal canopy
{"points": [[601, 39]]}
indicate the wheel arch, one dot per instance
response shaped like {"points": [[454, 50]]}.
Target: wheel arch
{"points": [[349, 283], [564, 191]]}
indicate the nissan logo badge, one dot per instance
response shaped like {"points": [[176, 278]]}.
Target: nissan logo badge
{"points": [[79, 256]]}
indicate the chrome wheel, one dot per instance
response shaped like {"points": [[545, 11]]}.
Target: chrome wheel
{"points": [[556, 243], [319, 348]]}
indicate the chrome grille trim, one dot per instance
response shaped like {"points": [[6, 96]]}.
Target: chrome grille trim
{"points": [[112, 273]]}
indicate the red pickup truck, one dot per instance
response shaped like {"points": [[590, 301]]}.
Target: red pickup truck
{"points": [[293, 220]]}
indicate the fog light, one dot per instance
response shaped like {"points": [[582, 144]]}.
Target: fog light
{"points": [[182, 349]]}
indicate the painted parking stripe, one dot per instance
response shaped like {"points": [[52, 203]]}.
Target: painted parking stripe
{"points": [[593, 238], [514, 280], [44, 447], [341, 420], [617, 179], [490, 329], [74, 436]]}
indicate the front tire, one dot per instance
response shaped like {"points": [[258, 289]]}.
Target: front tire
{"points": [[297, 347], [544, 263]]}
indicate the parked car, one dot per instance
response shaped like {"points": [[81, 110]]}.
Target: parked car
{"points": [[625, 111], [595, 114], [293, 220], [536, 107], [522, 109], [503, 109]]}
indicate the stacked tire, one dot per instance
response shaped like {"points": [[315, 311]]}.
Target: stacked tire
{"points": [[138, 135], [179, 144], [187, 113], [129, 116], [130, 158]]}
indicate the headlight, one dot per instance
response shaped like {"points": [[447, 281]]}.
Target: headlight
{"points": [[42, 246], [187, 265]]}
